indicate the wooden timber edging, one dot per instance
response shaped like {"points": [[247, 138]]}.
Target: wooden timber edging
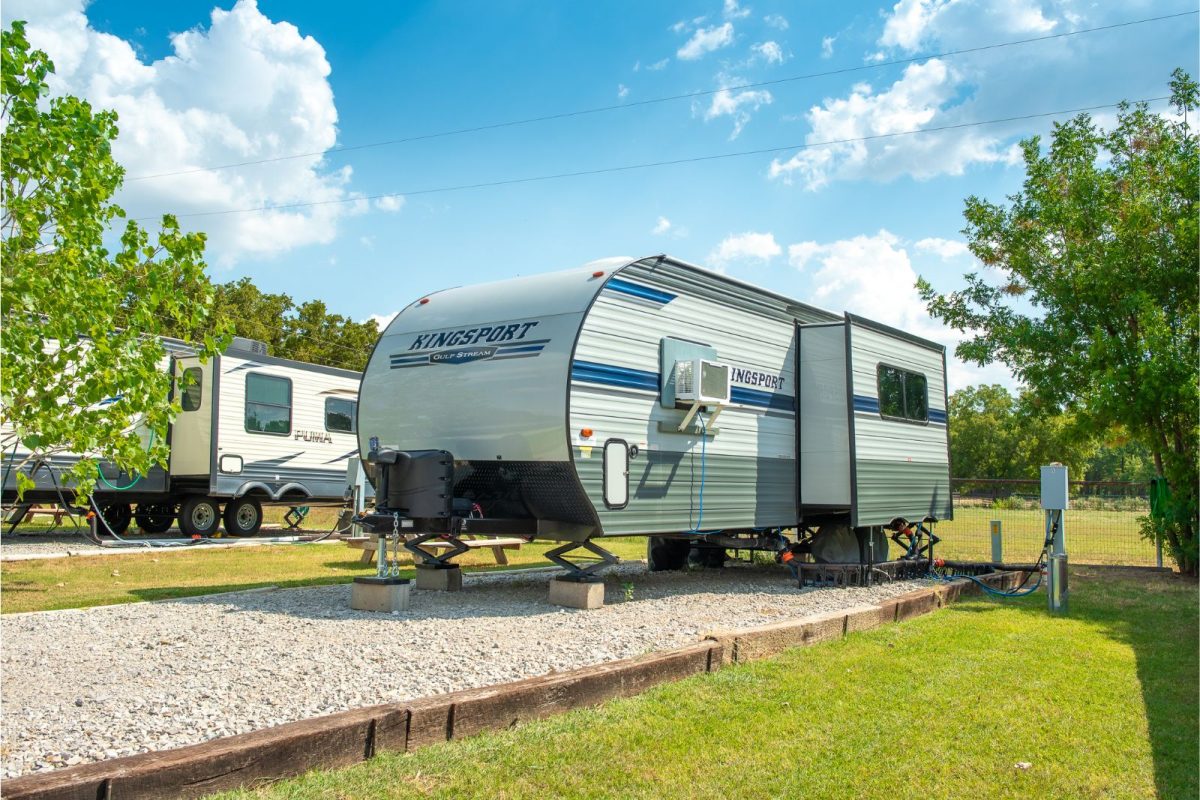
{"points": [[348, 737]]}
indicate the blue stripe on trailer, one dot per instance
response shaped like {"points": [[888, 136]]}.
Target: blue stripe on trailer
{"points": [[627, 378], [755, 397], [867, 404], [639, 291], [590, 372], [937, 415]]}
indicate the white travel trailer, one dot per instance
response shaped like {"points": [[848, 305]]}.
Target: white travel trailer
{"points": [[653, 397], [253, 429]]}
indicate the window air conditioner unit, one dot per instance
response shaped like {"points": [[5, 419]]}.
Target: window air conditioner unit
{"points": [[701, 383]]}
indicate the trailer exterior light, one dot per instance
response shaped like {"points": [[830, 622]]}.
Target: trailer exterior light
{"points": [[586, 433], [598, 273], [423, 301]]}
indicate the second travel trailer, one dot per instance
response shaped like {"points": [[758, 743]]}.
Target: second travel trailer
{"points": [[652, 397], [253, 429]]}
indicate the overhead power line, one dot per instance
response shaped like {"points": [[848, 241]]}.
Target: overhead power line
{"points": [[649, 164], [664, 99]]}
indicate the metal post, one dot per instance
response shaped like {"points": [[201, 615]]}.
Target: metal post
{"points": [[1158, 550], [1055, 501], [997, 543]]}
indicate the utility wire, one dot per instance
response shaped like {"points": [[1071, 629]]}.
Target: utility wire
{"points": [[649, 164], [665, 99]]}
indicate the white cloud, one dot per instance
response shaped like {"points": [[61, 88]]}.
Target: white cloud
{"points": [[390, 203], [657, 65], [770, 52], [661, 226], [913, 23], [706, 40], [873, 276], [738, 105], [776, 21], [827, 46], [245, 89], [945, 249], [733, 11], [748, 246], [367, 241], [622, 91], [381, 320], [920, 99]]}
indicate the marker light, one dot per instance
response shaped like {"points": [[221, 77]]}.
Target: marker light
{"points": [[598, 273], [586, 433], [424, 300]]}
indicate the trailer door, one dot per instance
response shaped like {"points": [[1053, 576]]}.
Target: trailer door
{"points": [[191, 433]]}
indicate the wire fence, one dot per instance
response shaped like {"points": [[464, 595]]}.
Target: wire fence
{"points": [[1102, 525]]}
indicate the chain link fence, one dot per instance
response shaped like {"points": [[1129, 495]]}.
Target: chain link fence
{"points": [[1102, 526]]}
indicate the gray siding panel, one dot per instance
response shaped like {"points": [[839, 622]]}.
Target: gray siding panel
{"points": [[902, 468]]}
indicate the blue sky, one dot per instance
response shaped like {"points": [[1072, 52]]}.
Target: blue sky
{"points": [[845, 227]]}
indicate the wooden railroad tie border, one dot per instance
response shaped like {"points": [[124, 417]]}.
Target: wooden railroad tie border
{"points": [[348, 737]]}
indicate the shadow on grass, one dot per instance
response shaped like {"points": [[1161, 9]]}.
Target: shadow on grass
{"points": [[1156, 617]]}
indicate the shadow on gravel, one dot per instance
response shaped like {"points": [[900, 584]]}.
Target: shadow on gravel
{"points": [[486, 595]]}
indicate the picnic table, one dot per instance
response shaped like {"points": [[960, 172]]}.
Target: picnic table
{"points": [[370, 545]]}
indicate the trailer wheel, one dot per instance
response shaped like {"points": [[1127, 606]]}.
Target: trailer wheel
{"points": [[117, 515], [243, 516], [707, 556], [155, 517], [199, 516], [664, 554]]}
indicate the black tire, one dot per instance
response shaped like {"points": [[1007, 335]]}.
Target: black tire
{"points": [[155, 517], [199, 516], [117, 516], [664, 555], [708, 557], [243, 516]]}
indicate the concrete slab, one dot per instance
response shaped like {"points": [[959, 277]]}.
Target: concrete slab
{"points": [[444, 579], [577, 594], [383, 595]]}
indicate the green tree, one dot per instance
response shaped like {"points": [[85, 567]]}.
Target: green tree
{"points": [[983, 436], [305, 333], [83, 371], [1097, 310]]}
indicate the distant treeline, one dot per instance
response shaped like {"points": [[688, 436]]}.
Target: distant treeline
{"points": [[994, 434], [304, 332]]}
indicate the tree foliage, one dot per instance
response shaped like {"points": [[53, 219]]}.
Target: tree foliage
{"points": [[305, 332], [994, 434], [83, 371], [1096, 309]]}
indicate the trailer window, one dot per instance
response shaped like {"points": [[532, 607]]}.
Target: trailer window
{"points": [[193, 387], [340, 414], [268, 404], [903, 394]]}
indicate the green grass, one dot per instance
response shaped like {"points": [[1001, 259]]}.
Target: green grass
{"points": [[84, 581], [1102, 703], [1093, 537]]}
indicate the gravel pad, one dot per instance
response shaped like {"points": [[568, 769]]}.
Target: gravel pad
{"points": [[88, 685]]}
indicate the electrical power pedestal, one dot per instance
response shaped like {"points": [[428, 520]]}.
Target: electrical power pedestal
{"points": [[1055, 501]]}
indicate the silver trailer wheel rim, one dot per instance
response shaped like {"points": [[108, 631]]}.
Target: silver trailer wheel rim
{"points": [[203, 516], [246, 516]]}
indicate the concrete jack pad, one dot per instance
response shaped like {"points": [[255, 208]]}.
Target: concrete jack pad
{"points": [[379, 594], [577, 594], [441, 579]]}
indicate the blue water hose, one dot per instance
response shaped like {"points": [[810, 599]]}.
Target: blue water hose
{"points": [[703, 475]]}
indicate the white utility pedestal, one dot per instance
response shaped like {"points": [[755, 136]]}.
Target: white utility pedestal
{"points": [[1055, 501]]}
